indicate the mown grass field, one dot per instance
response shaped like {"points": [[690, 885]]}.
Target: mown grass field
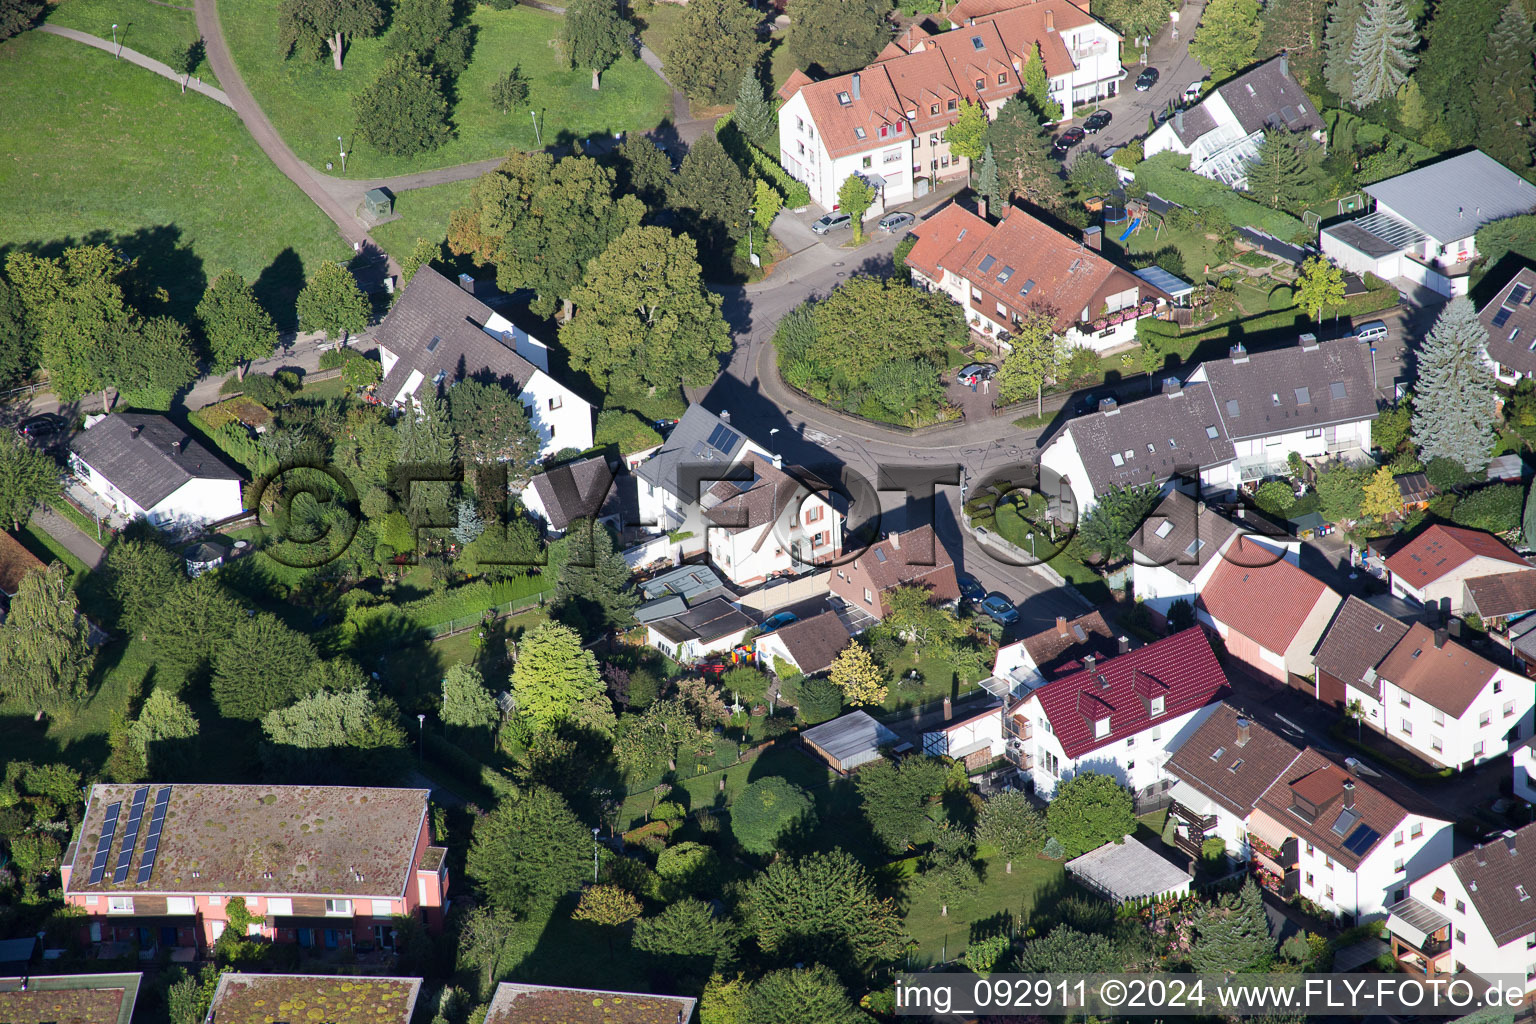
{"points": [[97, 150], [155, 30], [310, 103], [424, 213]]}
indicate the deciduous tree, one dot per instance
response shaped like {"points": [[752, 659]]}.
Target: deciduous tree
{"points": [[1320, 285], [164, 718], [18, 358], [715, 57], [1037, 87], [45, 651], [856, 674], [1381, 496], [1382, 55], [822, 908], [645, 314], [238, 329], [854, 197], [78, 307], [1089, 810], [157, 362], [312, 26], [422, 254], [1010, 823], [332, 303], [553, 674], [529, 852], [765, 810], [896, 799], [610, 906], [1036, 360], [510, 89], [1227, 37], [594, 35], [806, 995], [404, 111], [967, 137], [430, 30], [834, 36], [27, 479], [1453, 405], [262, 666]]}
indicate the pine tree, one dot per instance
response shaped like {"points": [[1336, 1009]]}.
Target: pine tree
{"points": [[754, 114], [1233, 934], [425, 438], [1506, 90], [592, 583], [1382, 54], [1022, 148], [1338, 40], [1275, 171], [1453, 403], [988, 183]]}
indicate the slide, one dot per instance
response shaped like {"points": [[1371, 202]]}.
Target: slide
{"points": [[1134, 225]]}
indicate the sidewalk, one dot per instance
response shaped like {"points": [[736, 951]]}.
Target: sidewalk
{"points": [[135, 57], [75, 541]]}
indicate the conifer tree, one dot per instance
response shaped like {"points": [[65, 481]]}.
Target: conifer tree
{"points": [[1232, 934], [1037, 88], [1453, 404], [1338, 40], [754, 114], [1275, 171], [1382, 54], [1506, 90], [988, 183], [45, 650]]}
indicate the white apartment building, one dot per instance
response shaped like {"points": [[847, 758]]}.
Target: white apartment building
{"points": [[768, 525]]}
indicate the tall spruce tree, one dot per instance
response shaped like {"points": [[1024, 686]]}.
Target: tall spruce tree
{"points": [[1275, 171], [1381, 56], [1506, 90], [754, 115], [988, 183], [1453, 402], [592, 584], [1338, 41], [1232, 934], [1455, 58]]}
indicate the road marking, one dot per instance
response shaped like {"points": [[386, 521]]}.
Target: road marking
{"points": [[817, 437]]}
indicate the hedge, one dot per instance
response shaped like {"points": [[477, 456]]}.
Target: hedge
{"points": [[462, 602], [1169, 176], [753, 160], [465, 767], [625, 429]]}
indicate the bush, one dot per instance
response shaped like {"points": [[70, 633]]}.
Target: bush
{"points": [[1281, 297], [1446, 474], [820, 701], [626, 430], [982, 956], [754, 162], [270, 391], [1213, 850], [1495, 508], [765, 810]]}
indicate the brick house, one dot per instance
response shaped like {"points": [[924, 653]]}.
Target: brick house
{"points": [[915, 558], [324, 866]]}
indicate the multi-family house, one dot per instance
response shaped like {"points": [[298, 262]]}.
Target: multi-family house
{"points": [[1270, 615], [1057, 651], [1424, 225], [1118, 717], [252, 998], [886, 122], [517, 1003], [1221, 133], [769, 523], [1179, 546], [1475, 912], [1232, 420], [1342, 841], [72, 998], [438, 334], [322, 866], [146, 467], [1510, 320], [675, 479], [1433, 566], [915, 558], [1002, 273], [1358, 640]]}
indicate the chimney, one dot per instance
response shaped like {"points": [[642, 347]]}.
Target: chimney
{"points": [[1509, 842], [949, 711], [134, 430], [855, 89], [1050, 20], [1441, 635], [1061, 625], [1089, 661], [981, 207], [1172, 387], [1480, 855], [725, 415], [1108, 405], [778, 461], [1124, 646], [1309, 342], [1239, 353], [1093, 238], [467, 283], [1454, 628], [1349, 794], [895, 541], [1242, 732]]}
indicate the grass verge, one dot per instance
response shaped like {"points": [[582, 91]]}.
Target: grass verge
{"points": [[424, 213], [155, 30]]}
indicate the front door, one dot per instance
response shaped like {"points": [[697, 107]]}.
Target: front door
{"points": [[332, 938], [306, 938], [384, 936]]}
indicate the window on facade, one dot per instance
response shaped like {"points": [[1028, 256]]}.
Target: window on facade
{"points": [[1439, 717], [1328, 892], [1310, 881], [1416, 831], [802, 148], [1407, 727], [1397, 865], [1314, 433], [813, 514], [867, 161], [1397, 838], [1484, 718], [885, 131], [338, 907], [1509, 708], [868, 597], [1461, 908], [1158, 703], [893, 157], [1498, 686], [1311, 849], [1439, 896], [953, 105], [1402, 699], [556, 402], [1002, 310], [1436, 745], [1327, 862], [1477, 749], [280, 905], [1157, 733], [119, 904], [944, 161]]}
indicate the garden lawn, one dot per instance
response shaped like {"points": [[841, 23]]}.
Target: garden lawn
{"points": [[79, 737], [101, 150], [155, 30], [1163, 175], [309, 102], [41, 543], [424, 213], [704, 790], [1014, 528], [662, 24], [1033, 889], [938, 682]]}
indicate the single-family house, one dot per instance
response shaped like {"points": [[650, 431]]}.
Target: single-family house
{"points": [[241, 998], [15, 562], [1118, 717], [1424, 226], [1499, 598], [322, 866], [809, 646], [1474, 913], [146, 467], [916, 558], [1271, 616], [1221, 133], [768, 523], [576, 490], [518, 1003], [1343, 842], [437, 334], [69, 998], [1510, 320], [1178, 547], [1019, 267], [706, 627], [1057, 651], [849, 741], [1433, 566], [678, 475], [968, 10], [1220, 771], [1356, 643]]}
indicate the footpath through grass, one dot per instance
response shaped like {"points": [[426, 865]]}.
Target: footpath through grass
{"points": [[97, 150], [153, 29], [310, 103]]}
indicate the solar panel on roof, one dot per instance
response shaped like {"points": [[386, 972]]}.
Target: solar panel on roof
{"points": [[108, 830], [723, 438], [1517, 294], [1364, 838], [130, 834], [152, 841]]}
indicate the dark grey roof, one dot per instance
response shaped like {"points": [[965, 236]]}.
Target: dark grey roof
{"points": [[689, 442], [815, 642], [1190, 124], [436, 327], [1178, 521], [1451, 198], [574, 490], [1495, 874], [1360, 240], [850, 736], [1293, 388], [1163, 434], [1510, 320], [690, 582], [147, 457], [1268, 97], [709, 621], [1359, 639], [1226, 768]]}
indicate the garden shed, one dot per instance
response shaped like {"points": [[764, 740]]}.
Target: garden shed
{"points": [[849, 741], [1177, 288], [1126, 872]]}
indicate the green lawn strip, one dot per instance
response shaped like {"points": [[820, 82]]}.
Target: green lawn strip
{"points": [[1031, 891], [702, 791], [662, 24], [66, 508], [1015, 529], [41, 543], [154, 30], [99, 149], [78, 735], [310, 103], [1162, 175], [424, 213]]}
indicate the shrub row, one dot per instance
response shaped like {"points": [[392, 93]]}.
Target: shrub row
{"points": [[462, 602], [466, 768], [1168, 175], [753, 160]]}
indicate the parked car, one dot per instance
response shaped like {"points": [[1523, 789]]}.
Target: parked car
{"points": [[971, 589], [44, 424], [1373, 331], [894, 222], [975, 373], [1090, 403], [836, 603], [1147, 79], [778, 621], [831, 222], [999, 609], [1165, 115], [1067, 139], [1192, 91], [1097, 121]]}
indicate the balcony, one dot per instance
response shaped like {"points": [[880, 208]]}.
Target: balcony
{"points": [[1421, 937], [1279, 861], [1201, 823], [1097, 48]]}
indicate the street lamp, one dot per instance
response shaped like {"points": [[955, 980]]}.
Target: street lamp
{"points": [[342, 147], [421, 751], [116, 53], [1031, 538], [751, 230], [535, 115], [594, 856]]}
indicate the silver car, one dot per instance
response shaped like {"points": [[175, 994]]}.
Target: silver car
{"points": [[831, 221], [893, 222]]}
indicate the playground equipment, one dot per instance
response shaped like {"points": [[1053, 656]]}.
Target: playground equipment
{"points": [[1134, 225]]}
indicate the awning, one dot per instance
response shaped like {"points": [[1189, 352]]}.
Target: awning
{"points": [[1192, 798], [1267, 829], [1414, 922]]}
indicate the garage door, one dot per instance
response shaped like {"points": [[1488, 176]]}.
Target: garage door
{"points": [[1251, 654]]}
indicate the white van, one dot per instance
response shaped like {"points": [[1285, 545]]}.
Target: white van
{"points": [[1373, 330]]}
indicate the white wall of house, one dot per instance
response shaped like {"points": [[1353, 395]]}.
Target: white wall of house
{"points": [[1504, 703], [1523, 761], [1259, 457], [803, 533], [1062, 457], [103, 487], [525, 344], [1382, 878], [692, 650], [1136, 762], [195, 502], [1471, 942], [959, 736], [1450, 585], [562, 418], [803, 153], [1158, 586], [1095, 50]]}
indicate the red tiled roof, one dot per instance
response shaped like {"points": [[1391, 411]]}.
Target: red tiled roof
{"points": [[977, 54], [1441, 549], [923, 82], [1320, 782], [915, 556], [1266, 603], [912, 37], [875, 107], [797, 80], [1448, 677], [967, 9], [15, 562], [1023, 27], [1181, 668], [948, 237]]}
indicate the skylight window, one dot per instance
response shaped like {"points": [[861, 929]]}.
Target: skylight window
{"points": [[1502, 316], [1028, 287], [1235, 765], [1232, 407], [1520, 891], [1517, 294], [1172, 443], [1194, 547], [1338, 391], [1116, 459], [844, 98], [1303, 396], [432, 345], [1211, 432], [861, 133], [1004, 274], [879, 555], [1165, 528], [961, 234], [1274, 398], [986, 263], [1217, 754], [977, 44], [1151, 448]]}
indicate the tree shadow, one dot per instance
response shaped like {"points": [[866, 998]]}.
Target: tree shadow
{"points": [[277, 289]]}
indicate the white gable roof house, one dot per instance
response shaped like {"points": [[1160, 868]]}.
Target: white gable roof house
{"points": [[437, 334], [1221, 134], [1425, 222], [675, 478], [147, 467]]}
